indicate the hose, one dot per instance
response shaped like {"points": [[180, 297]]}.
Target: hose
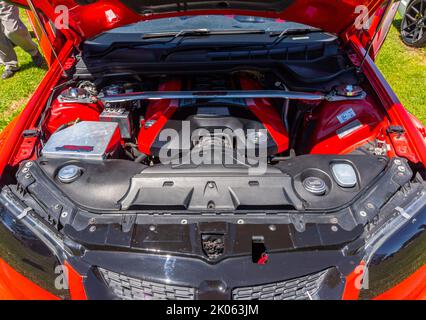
{"points": [[141, 158]]}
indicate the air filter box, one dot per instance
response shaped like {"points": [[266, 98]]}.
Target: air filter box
{"points": [[87, 140]]}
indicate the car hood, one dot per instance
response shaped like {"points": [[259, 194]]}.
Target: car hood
{"points": [[87, 18]]}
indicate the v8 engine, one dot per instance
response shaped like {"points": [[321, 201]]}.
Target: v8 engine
{"points": [[174, 126]]}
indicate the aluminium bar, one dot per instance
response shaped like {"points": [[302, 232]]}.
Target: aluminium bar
{"points": [[233, 94]]}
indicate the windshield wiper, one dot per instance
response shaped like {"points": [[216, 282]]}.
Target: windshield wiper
{"points": [[199, 32], [173, 35], [291, 31], [204, 32]]}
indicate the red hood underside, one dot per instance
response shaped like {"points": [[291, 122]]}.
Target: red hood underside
{"points": [[88, 18]]}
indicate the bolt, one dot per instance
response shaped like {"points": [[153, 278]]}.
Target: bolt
{"points": [[92, 221], [363, 213], [370, 206], [334, 228], [240, 221], [57, 206], [184, 221], [401, 168], [211, 185], [64, 214], [25, 170], [28, 176], [398, 162], [29, 164], [272, 227], [92, 229], [151, 228], [334, 220]]}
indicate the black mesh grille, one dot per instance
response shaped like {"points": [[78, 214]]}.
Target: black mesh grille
{"points": [[128, 288], [303, 288]]}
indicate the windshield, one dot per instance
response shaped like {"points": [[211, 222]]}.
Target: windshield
{"points": [[209, 22]]}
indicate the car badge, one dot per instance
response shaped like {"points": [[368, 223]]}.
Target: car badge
{"points": [[213, 245]]}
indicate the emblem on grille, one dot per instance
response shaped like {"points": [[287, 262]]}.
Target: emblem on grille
{"points": [[213, 245]]}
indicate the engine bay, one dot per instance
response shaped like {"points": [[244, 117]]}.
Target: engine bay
{"points": [[208, 143], [215, 110], [230, 138], [140, 123]]}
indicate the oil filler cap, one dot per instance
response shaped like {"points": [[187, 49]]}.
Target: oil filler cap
{"points": [[315, 185], [69, 173]]}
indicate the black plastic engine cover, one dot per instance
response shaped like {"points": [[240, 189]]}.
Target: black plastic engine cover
{"points": [[367, 169], [121, 184], [280, 187], [101, 185]]}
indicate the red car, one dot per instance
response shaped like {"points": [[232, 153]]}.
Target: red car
{"points": [[213, 150]]}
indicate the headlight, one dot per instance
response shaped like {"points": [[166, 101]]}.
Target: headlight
{"points": [[29, 248], [396, 250]]}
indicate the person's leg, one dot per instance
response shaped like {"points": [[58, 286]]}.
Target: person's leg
{"points": [[8, 56], [15, 29]]}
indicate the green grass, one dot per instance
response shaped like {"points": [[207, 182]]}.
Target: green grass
{"points": [[403, 67], [405, 70], [14, 92]]}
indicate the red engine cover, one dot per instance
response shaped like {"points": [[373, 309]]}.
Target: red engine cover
{"points": [[63, 113], [267, 114], [344, 126], [159, 112]]}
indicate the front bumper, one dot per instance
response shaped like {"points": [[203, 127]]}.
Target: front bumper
{"points": [[31, 254]]}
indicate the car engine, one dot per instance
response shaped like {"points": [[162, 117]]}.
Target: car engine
{"points": [[212, 122], [221, 141]]}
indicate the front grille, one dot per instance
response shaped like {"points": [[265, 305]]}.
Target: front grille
{"points": [[128, 288], [303, 288]]}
